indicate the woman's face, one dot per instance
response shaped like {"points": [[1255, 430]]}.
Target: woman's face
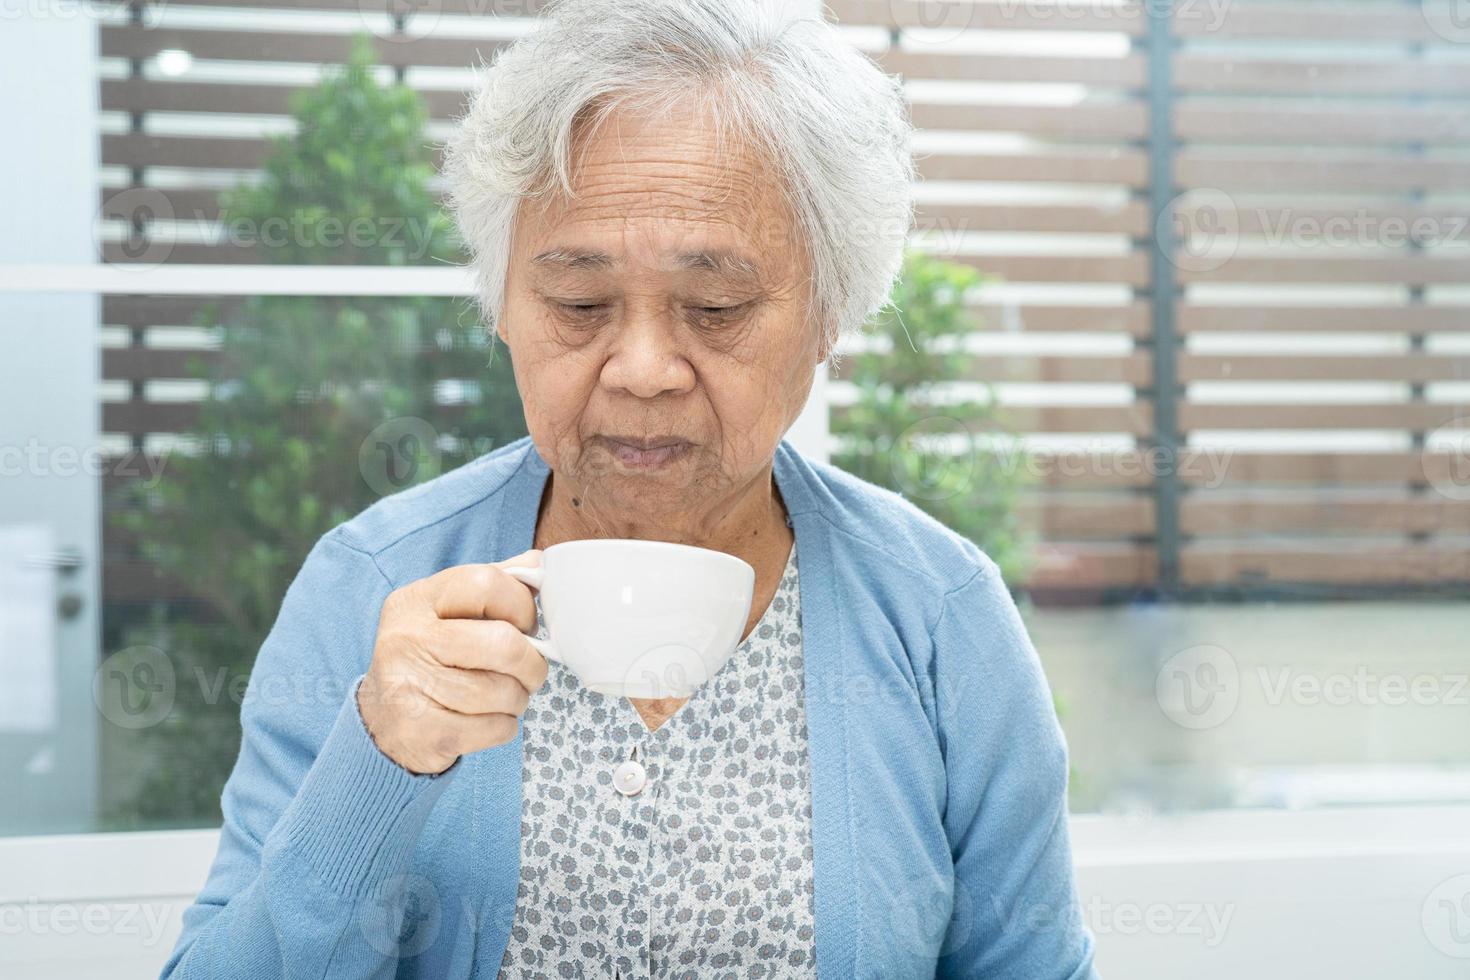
{"points": [[664, 306]]}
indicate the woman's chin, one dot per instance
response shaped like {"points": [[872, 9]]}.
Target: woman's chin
{"points": [[660, 499]]}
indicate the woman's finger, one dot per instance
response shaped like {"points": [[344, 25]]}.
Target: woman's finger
{"points": [[475, 692], [487, 645], [483, 592]]}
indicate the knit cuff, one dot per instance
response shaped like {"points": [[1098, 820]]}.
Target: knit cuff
{"points": [[358, 814]]}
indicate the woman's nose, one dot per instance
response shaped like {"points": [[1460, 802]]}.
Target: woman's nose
{"points": [[645, 359]]}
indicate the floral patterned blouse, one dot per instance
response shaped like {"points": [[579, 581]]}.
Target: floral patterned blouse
{"points": [[685, 851]]}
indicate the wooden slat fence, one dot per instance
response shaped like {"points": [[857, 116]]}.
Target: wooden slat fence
{"points": [[1229, 253]]}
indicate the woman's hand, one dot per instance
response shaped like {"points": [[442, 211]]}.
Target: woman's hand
{"points": [[452, 668]]}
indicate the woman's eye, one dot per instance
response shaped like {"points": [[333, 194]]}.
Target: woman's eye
{"points": [[581, 308], [719, 312]]}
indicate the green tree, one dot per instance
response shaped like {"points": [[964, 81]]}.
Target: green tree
{"points": [[316, 407], [951, 458]]}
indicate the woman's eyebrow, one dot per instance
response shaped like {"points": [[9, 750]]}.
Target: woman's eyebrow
{"points": [[574, 259], [722, 261]]}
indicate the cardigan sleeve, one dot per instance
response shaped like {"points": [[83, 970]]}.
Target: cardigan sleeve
{"points": [[1016, 913], [310, 877]]}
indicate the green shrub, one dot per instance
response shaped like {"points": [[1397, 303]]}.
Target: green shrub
{"points": [[953, 460]]}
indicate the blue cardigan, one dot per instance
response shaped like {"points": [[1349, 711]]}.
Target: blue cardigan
{"points": [[938, 781]]}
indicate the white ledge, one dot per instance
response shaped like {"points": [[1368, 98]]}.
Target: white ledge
{"points": [[172, 863], [1216, 836]]}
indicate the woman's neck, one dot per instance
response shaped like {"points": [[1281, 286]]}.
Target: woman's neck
{"points": [[752, 527]]}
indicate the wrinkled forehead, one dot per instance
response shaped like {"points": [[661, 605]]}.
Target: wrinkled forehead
{"points": [[671, 185]]}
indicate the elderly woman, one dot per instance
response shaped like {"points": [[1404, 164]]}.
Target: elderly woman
{"points": [[676, 208]]}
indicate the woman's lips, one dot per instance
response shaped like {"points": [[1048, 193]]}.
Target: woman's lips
{"points": [[637, 457]]}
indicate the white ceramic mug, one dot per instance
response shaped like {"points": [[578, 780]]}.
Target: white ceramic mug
{"points": [[640, 619]]}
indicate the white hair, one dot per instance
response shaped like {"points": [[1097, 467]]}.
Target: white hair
{"points": [[833, 125]]}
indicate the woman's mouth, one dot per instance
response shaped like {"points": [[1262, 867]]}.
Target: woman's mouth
{"points": [[643, 456]]}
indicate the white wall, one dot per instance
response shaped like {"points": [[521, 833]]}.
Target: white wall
{"points": [[97, 906], [1352, 894], [49, 420], [810, 431]]}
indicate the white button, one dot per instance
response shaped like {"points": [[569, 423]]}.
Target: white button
{"points": [[629, 778]]}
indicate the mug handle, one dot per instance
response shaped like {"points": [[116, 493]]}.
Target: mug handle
{"points": [[535, 577]]}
